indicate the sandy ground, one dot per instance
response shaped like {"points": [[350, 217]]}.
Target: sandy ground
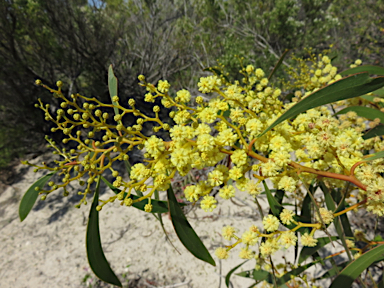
{"points": [[48, 248]]}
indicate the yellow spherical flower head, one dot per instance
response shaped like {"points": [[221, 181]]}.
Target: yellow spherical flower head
{"points": [[308, 240], [259, 73], [207, 84], [271, 223], [326, 216], [192, 193], [215, 178], [227, 192], [249, 69], [269, 247], [163, 86], [222, 253], [226, 137], [270, 168], [239, 157], [183, 96], [254, 127], [287, 183], [208, 115], [148, 208], [245, 253], [288, 239], [235, 173], [249, 238], [208, 203], [286, 216], [205, 143], [154, 146], [228, 232], [253, 188]]}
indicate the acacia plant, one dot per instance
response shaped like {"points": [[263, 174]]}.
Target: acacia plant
{"points": [[312, 135]]}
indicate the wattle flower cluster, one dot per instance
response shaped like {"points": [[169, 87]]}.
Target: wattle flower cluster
{"points": [[227, 127]]}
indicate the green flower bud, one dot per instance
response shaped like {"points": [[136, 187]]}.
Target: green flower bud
{"points": [[85, 105], [141, 78], [63, 105], [115, 98], [91, 107], [85, 116], [38, 82], [131, 102], [98, 208], [70, 111], [76, 117], [59, 84], [117, 117], [105, 115], [43, 197], [98, 113]]}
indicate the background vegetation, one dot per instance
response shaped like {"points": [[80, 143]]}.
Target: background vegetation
{"points": [[76, 40]]}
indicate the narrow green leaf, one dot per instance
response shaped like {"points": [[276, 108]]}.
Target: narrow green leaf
{"points": [[365, 112], [346, 88], [228, 276], [258, 275], [309, 251], [306, 209], [278, 64], [354, 269], [376, 131], [95, 254], [158, 206], [185, 231], [371, 69], [375, 156], [112, 86], [31, 195], [274, 205]]}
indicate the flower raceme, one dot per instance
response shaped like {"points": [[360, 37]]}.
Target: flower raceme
{"points": [[205, 133]]}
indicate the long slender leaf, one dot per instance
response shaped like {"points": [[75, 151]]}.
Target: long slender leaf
{"points": [[309, 251], [278, 64], [258, 275], [346, 88], [228, 276], [365, 112], [354, 269], [95, 254], [185, 231], [375, 156], [112, 86], [371, 69], [274, 205], [376, 131], [31, 195]]}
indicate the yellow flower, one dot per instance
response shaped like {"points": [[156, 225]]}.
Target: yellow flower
{"points": [[286, 216], [222, 253], [228, 232], [326, 216], [271, 223], [208, 203], [227, 192], [249, 238], [288, 239], [307, 240]]}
